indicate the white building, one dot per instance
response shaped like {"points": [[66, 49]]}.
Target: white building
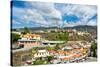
{"points": [[52, 43], [31, 36], [82, 33], [15, 32], [41, 53]]}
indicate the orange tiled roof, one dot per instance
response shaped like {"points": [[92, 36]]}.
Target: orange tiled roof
{"points": [[64, 52], [31, 35], [77, 55], [65, 58], [52, 51]]}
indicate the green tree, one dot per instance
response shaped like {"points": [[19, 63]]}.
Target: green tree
{"points": [[38, 62], [26, 30], [57, 47], [94, 49], [14, 37], [50, 58]]}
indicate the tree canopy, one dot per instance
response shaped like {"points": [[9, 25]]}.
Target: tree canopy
{"points": [[14, 37]]}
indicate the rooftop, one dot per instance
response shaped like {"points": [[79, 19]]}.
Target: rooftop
{"points": [[53, 41]]}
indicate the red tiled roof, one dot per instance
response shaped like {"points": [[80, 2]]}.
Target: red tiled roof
{"points": [[52, 51]]}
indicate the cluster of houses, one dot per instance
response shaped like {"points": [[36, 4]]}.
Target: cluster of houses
{"points": [[80, 33], [34, 40], [70, 55], [31, 40], [74, 50]]}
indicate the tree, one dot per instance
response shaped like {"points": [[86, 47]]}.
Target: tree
{"points": [[38, 62], [50, 58], [49, 48], [26, 30], [14, 37], [94, 49], [57, 47]]}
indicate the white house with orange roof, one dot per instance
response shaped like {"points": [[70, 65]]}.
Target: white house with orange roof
{"points": [[29, 40], [41, 53], [31, 36]]}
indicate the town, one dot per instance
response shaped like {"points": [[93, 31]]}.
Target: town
{"points": [[54, 46], [44, 33]]}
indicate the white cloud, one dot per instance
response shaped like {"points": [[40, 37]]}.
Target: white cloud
{"points": [[92, 23], [15, 22], [34, 16], [46, 9], [84, 12], [48, 14], [37, 13], [26, 15]]}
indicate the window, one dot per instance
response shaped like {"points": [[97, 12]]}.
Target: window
{"points": [[21, 45], [45, 43]]}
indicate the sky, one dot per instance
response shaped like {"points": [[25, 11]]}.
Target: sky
{"points": [[46, 14]]}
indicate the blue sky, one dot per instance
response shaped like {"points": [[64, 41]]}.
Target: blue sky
{"points": [[45, 14]]}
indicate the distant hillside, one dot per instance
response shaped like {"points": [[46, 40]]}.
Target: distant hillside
{"points": [[79, 28], [83, 28], [35, 28]]}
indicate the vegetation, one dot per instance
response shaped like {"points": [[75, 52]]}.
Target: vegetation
{"points": [[94, 49], [63, 36], [50, 58], [40, 61], [26, 30], [57, 47], [49, 48], [21, 56], [15, 37], [76, 37]]}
